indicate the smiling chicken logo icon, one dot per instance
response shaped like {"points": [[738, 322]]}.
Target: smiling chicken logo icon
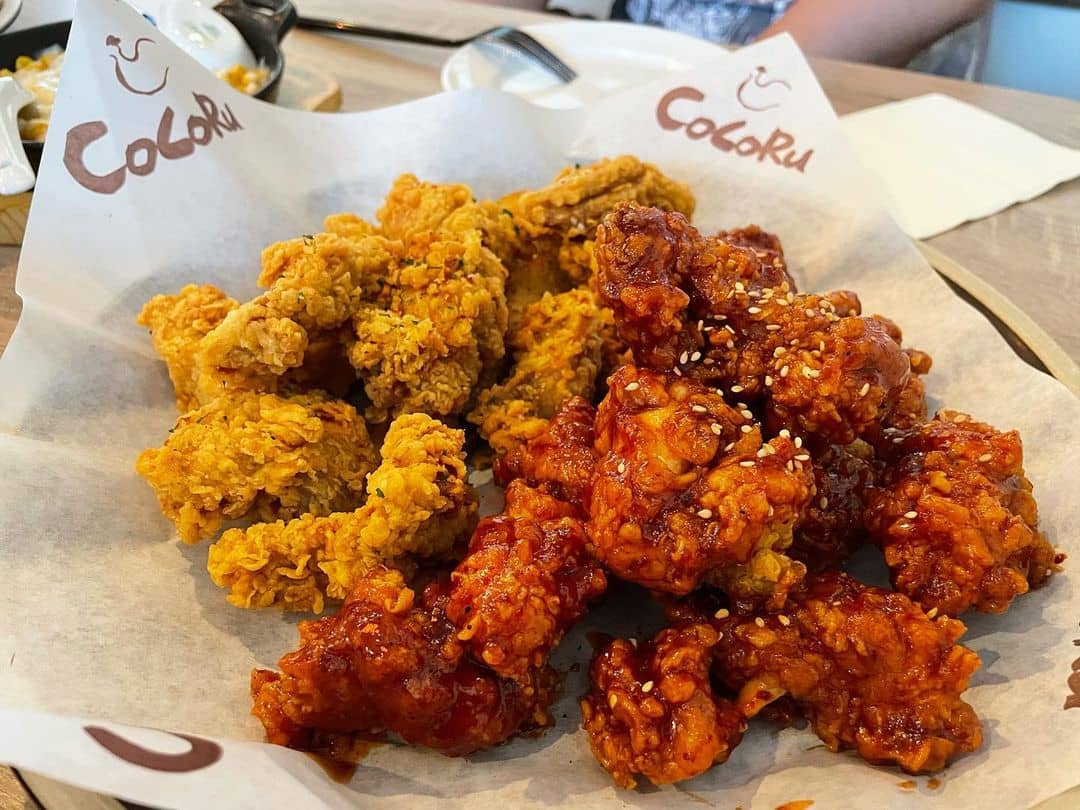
{"points": [[138, 79], [758, 93]]}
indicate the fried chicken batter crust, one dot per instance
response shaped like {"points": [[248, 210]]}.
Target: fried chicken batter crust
{"points": [[279, 456], [651, 708], [955, 516]]}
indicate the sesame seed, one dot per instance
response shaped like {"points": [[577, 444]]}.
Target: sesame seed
{"points": [[728, 447], [699, 409], [911, 515], [747, 414], [647, 687], [782, 302], [768, 380], [739, 287], [790, 466], [779, 351], [785, 433], [678, 373], [772, 327], [709, 361], [719, 317], [784, 371], [754, 294], [821, 345], [763, 452], [864, 390], [695, 357], [798, 441], [736, 389], [898, 440], [722, 613], [705, 514], [810, 313], [824, 502], [746, 464], [700, 325], [931, 613], [684, 357], [784, 620], [812, 373], [754, 310], [985, 457], [746, 428], [760, 622], [633, 386], [730, 328], [716, 428], [731, 344], [802, 457], [613, 701], [622, 467]]}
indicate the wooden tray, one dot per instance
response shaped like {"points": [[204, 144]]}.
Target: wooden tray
{"points": [[1026, 338]]}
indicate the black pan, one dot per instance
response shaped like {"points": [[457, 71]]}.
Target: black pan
{"points": [[262, 23]]}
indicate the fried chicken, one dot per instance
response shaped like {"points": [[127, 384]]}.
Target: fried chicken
{"points": [[177, 323], [390, 661], [729, 315], [279, 456], [556, 352], [315, 285], [866, 666], [560, 460], [955, 516], [526, 579], [419, 507], [685, 489], [651, 709], [831, 528]]}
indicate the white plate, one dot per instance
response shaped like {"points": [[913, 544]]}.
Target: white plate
{"points": [[607, 56], [9, 10]]}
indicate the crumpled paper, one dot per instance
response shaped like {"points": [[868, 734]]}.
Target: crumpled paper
{"points": [[107, 622]]}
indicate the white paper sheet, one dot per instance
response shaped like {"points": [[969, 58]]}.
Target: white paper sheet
{"points": [[105, 616]]}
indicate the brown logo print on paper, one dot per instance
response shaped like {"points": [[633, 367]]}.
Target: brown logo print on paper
{"points": [[756, 93], [203, 753], [1072, 701], [142, 154]]}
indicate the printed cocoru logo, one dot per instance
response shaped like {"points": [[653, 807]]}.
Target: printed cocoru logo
{"points": [[778, 147], [141, 155]]}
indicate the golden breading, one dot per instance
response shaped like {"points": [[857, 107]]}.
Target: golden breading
{"points": [[315, 285], [418, 507], [556, 352], [652, 711], [685, 491], [954, 514], [281, 456], [177, 323], [434, 328]]}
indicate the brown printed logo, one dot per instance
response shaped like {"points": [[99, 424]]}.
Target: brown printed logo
{"points": [[1072, 700], [203, 753], [141, 155], [755, 93]]}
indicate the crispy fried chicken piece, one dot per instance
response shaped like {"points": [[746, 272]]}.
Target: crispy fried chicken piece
{"points": [[315, 285], [955, 516], [726, 315], [685, 489], [390, 661], [434, 329], [652, 711], [177, 323], [526, 580], [561, 459], [831, 528], [279, 456], [866, 666], [419, 507], [556, 353], [910, 410]]}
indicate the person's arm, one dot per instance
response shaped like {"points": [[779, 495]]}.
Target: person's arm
{"points": [[887, 32]]}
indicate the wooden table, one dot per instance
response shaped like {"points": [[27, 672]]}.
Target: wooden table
{"points": [[1031, 252]]}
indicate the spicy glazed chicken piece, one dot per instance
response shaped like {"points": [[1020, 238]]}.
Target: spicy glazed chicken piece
{"points": [[419, 507], [315, 285], [722, 313], [432, 331], [831, 527], [280, 457], [685, 490], [559, 461], [177, 323], [651, 709], [556, 351], [866, 666], [391, 661], [955, 516], [910, 410], [527, 578]]}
